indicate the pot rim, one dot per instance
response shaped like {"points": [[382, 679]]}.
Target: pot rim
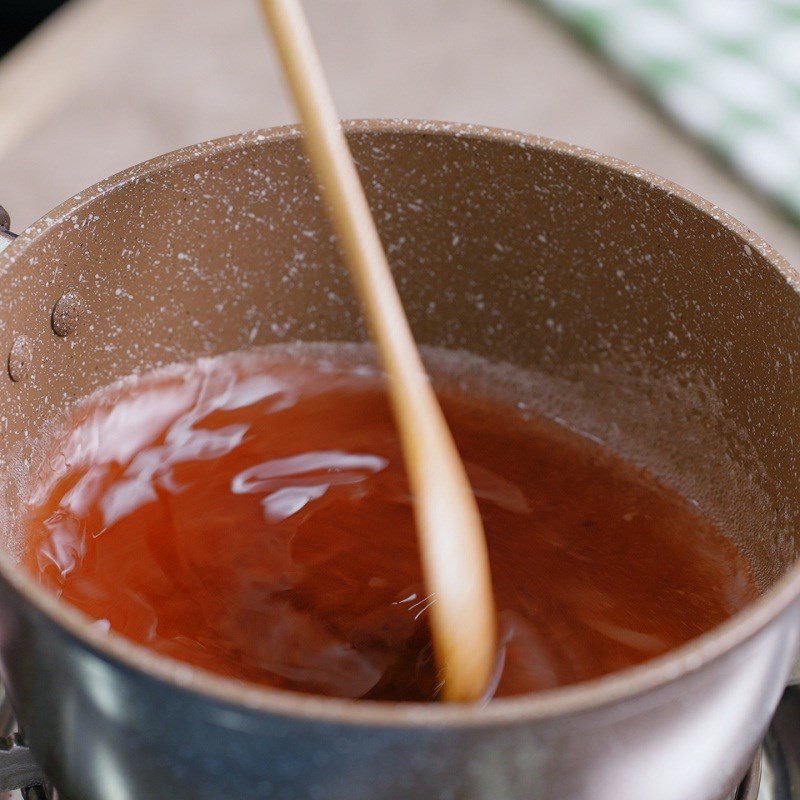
{"points": [[580, 697]]}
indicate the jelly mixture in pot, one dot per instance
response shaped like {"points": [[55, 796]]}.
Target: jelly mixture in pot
{"points": [[250, 514]]}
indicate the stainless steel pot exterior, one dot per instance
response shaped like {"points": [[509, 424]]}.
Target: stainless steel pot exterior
{"points": [[104, 731], [546, 256]]}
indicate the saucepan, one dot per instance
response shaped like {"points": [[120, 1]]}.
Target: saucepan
{"points": [[654, 322]]}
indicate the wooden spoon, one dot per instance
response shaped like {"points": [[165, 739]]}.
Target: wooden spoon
{"points": [[454, 558]]}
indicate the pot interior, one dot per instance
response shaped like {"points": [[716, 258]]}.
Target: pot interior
{"points": [[639, 318]]}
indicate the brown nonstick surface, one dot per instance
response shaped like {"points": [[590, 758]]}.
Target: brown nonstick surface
{"points": [[630, 302]]}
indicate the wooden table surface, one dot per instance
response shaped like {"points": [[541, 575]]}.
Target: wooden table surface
{"points": [[107, 83]]}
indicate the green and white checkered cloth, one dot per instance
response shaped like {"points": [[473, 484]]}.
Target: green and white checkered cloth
{"points": [[727, 70]]}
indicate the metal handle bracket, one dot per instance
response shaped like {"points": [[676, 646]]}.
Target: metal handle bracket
{"points": [[6, 234]]}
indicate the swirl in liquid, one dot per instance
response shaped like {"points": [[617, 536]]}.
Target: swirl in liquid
{"points": [[250, 514]]}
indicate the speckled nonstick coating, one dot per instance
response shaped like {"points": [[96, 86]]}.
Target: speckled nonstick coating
{"points": [[647, 317]]}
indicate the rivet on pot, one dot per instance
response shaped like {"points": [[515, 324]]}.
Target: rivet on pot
{"points": [[20, 358], [67, 313]]}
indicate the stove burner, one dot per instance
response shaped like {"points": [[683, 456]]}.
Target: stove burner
{"points": [[750, 787], [775, 774], [780, 766]]}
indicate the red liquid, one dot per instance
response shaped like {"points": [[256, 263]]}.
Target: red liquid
{"points": [[252, 516]]}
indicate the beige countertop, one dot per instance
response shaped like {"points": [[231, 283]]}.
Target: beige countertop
{"points": [[107, 83]]}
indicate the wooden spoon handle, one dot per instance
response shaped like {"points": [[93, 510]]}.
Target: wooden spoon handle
{"points": [[454, 557]]}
